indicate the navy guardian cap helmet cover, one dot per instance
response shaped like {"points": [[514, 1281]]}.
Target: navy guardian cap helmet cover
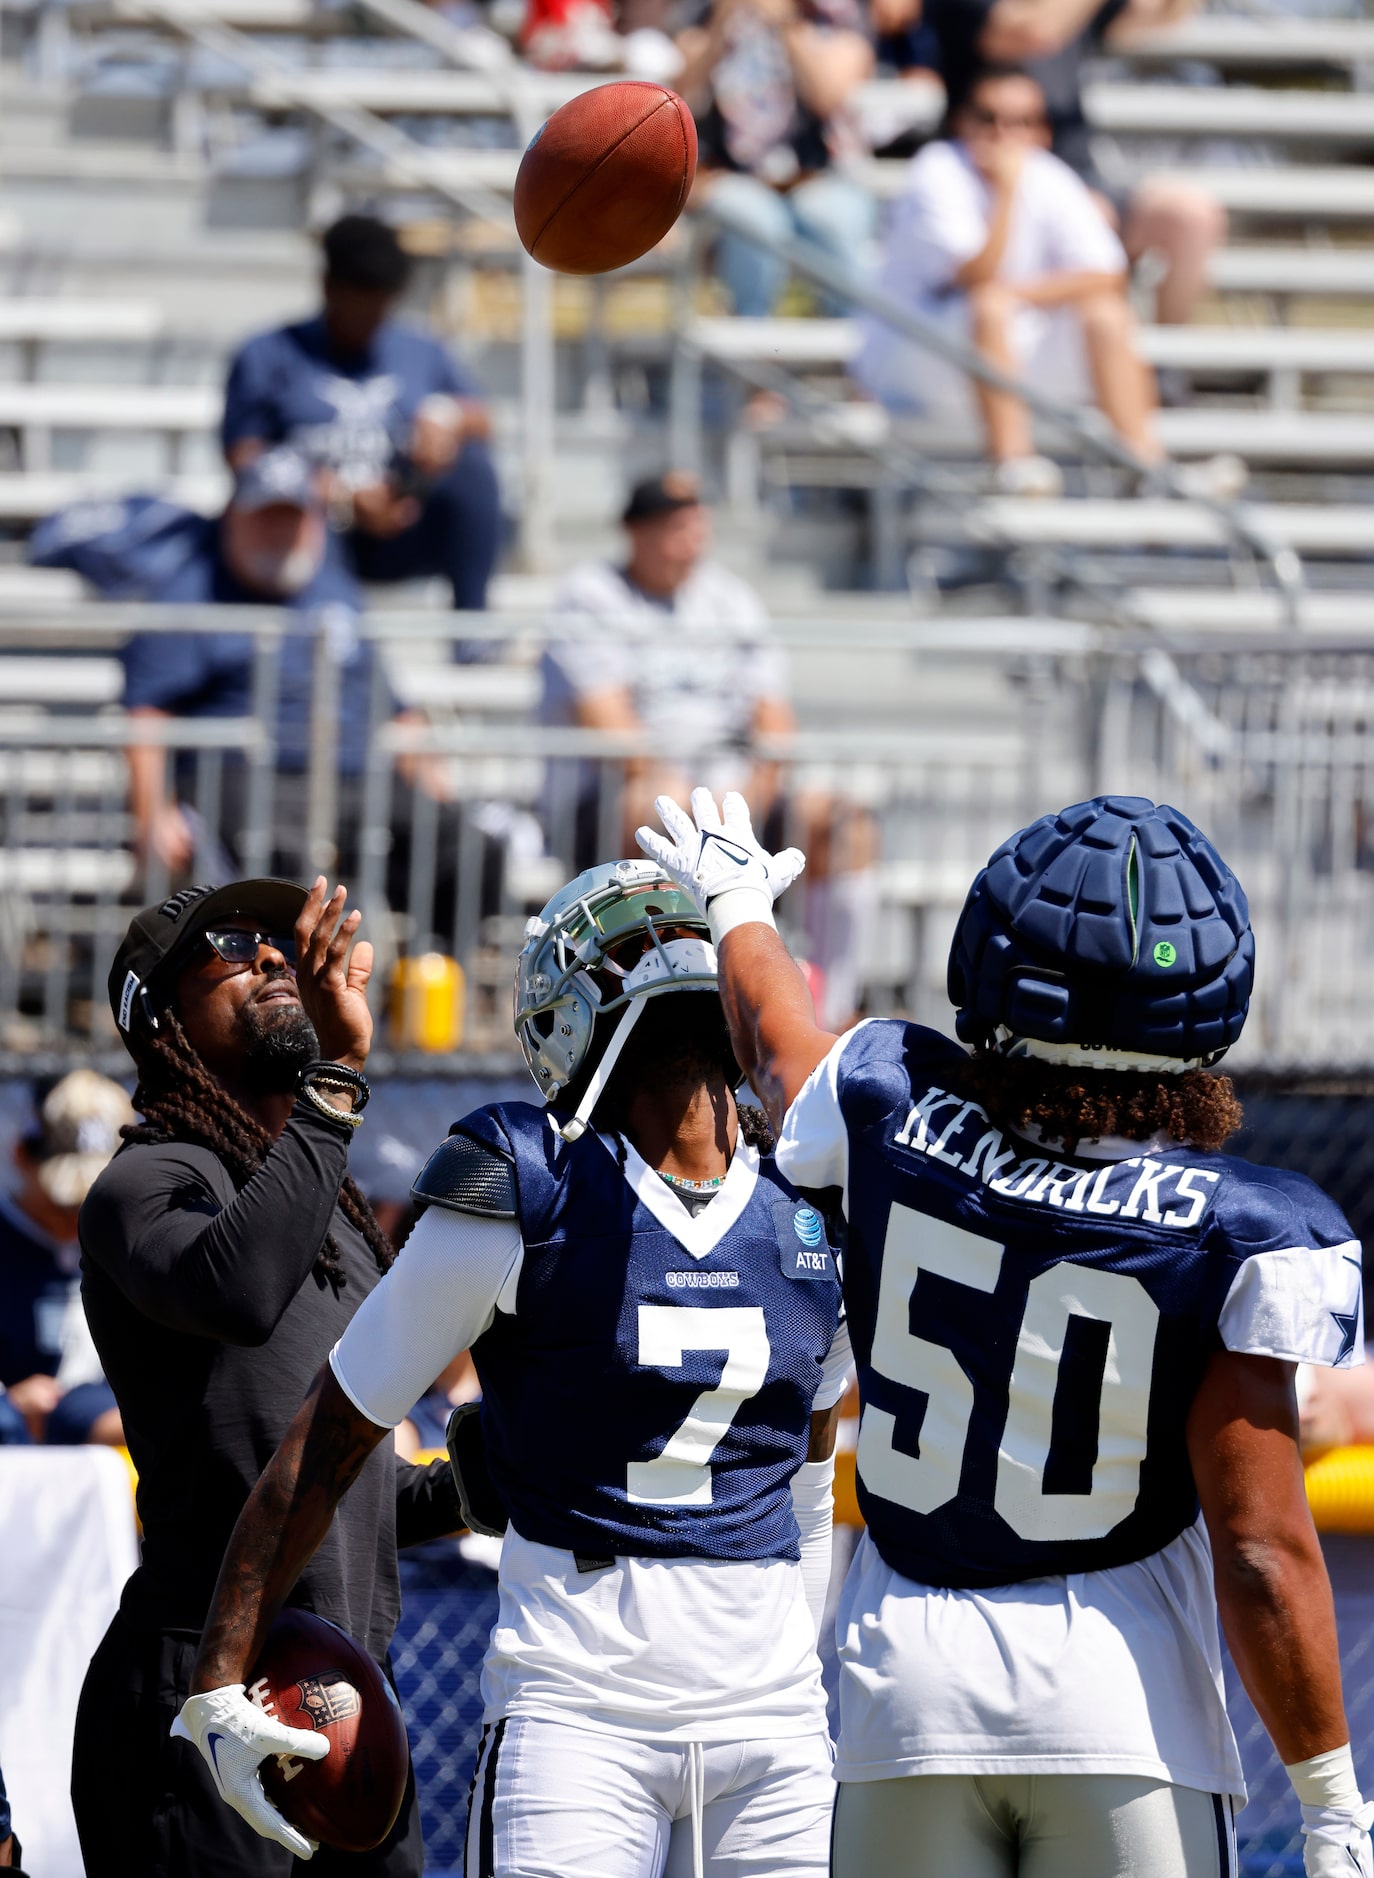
{"points": [[1113, 926]]}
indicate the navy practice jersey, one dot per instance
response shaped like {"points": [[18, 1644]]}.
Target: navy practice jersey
{"points": [[639, 1400], [1030, 1329]]}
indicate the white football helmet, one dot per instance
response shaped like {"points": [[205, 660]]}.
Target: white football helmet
{"points": [[618, 935]]}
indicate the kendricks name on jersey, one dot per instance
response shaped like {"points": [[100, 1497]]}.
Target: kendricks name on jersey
{"points": [[1136, 1188], [1029, 1327]]}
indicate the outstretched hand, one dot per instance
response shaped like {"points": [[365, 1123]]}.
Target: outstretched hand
{"points": [[715, 851], [332, 982]]}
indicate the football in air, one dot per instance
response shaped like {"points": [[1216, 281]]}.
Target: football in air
{"points": [[313, 1675], [606, 177]]}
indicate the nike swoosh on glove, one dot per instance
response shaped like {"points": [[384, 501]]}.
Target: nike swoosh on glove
{"points": [[236, 1736], [715, 851], [1336, 1844]]}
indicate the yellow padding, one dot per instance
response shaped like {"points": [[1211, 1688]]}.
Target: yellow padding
{"points": [[846, 1495], [1340, 1490], [128, 1460], [1340, 1487]]}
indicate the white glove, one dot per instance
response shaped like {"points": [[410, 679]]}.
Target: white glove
{"points": [[712, 855], [236, 1736], [1336, 1843]]}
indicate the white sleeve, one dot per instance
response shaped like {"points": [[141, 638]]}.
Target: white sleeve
{"points": [[436, 1300], [1301, 1303], [813, 1148], [1081, 240], [939, 222], [813, 1502], [836, 1370], [587, 647]]}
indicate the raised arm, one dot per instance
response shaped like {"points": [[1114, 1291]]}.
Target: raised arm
{"points": [[772, 1017], [716, 856], [1274, 1595]]}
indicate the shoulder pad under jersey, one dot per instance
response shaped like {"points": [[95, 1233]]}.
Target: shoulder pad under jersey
{"points": [[469, 1177]]}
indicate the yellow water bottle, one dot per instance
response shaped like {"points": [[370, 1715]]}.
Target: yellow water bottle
{"points": [[426, 1004]]}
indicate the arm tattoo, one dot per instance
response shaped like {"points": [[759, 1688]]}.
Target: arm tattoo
{"points": [[280, 1528]]}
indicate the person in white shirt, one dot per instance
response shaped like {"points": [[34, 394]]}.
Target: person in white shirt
{"points": [[1001, 243], [672, 644]]}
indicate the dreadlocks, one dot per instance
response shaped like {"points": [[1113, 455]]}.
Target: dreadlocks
{"points": [[181, 1101]]}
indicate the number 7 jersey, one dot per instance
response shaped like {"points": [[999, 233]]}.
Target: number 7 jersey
{"points": [[1030, 1328], [647, 1386]]}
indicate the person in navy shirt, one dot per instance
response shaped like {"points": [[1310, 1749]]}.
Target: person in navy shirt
{"points": [[271, 546], [50, 1377], [396, 429]]}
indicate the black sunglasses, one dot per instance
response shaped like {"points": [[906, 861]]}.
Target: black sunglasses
{"points": [[1007, 119], [241, 948]]}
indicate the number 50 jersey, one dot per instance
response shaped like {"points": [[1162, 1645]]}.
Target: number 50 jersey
{"points": [[1029, 1329]]}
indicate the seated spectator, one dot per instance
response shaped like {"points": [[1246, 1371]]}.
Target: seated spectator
{"points": [[1000, 242], [1175, 220], [674, 644], [50, 1375], [587, 35], [271, 546], [769, 81], [904, 41], [397, 430]]}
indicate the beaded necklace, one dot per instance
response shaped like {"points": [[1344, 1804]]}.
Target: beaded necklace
{"points": [[693, 1186]]}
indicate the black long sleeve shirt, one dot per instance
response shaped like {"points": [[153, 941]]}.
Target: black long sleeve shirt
{"points": [[211, 1325]]}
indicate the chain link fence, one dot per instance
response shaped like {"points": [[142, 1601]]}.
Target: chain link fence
{"points": [[450, 1606]]}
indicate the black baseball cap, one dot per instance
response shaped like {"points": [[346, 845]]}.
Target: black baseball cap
{"points": [[160, 937], [660, 495]]}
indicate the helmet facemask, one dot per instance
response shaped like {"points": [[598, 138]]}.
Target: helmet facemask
{"points": [[614, 938]]}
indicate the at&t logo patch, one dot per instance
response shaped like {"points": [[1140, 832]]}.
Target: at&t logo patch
{"points": [[808, 1226]]}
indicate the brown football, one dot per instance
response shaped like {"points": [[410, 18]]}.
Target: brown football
{"points": [[313, 1675], [606, 177]]}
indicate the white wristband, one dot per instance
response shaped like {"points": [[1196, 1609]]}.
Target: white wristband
{"points": [[739, 906], [1327, 1780]]}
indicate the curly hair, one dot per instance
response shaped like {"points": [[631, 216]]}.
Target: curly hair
{"points": [[180, 1100], [753, 1127], [1073, 1105]]}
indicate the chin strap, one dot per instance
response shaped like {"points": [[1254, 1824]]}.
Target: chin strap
{"points": [[573, 1130]]}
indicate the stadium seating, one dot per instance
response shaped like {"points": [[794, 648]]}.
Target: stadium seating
{"points": [[164, 161]]}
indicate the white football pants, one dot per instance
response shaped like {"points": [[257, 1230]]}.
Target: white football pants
{"points": [[1031, 1826], [553, 1801]]}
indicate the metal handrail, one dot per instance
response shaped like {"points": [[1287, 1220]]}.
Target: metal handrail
{"points": [[1086, 426], [68, 626]]}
